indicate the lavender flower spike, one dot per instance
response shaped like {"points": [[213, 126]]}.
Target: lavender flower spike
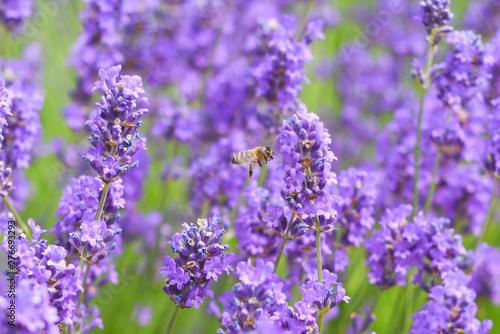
{"points": [[451, 309], [324, 295], [436, 16], [115, 138], [201, 259], [307, 162]]}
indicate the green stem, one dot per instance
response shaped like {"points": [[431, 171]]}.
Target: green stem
{"points": [[172, 319], [318, 256], [320, 323], [84, 285], [285, 239], [490, 212], [432, 189], [417, 153], [102, 201], [21, 222], [304, 20], [424, 85], [318, 250]]}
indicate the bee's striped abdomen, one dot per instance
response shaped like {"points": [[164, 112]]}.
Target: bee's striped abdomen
{"points": [[242, 157]]}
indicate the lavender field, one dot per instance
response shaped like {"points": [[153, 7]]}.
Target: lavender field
{"points": [[250, 166]]}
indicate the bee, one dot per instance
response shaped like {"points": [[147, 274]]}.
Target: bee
{"points": [[255, 156]]}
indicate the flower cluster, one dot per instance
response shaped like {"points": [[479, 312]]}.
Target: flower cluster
{"points": [[492, 156], [357, 195], [46, 265], [465, 71], [82, 196], [34, 310], [115, 139], [254, 236], [13, 13], [95, 237], [429, 245], [254, 301], [20, 102], [451, 309], [201, 259], [307, 163], [436, 17], [485, 274], [4, 109], [324, 295], [278, 69], [482, 15]]}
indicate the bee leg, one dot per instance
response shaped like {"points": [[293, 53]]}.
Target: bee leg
{"points": [[250, 170], [259, 164]]}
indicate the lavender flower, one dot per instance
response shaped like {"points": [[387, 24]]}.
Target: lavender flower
{"points": [[482, 15], [357, 193], [279, 66], [25, 100], [46, 265], [361, 321], [82, 196], [307, 163], [254, 238], [485, 274], [429, 245], [465, 71], [34, 310], [4, 109], [254, 301], [201, 260], [115, 138], [94, 238], [436, 17], [389, 253], [492, 156], [324, 295], [13, 13], [451, 309]]}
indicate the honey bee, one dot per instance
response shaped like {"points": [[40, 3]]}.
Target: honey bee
{"points": [[255, 156]]}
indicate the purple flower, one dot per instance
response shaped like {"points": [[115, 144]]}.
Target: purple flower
{"points": [[256, 300], [256, 226], [357, 193], [201, 259], [35, 312], [428, 244], [25, 100], [82, 196], [13, 13], [436, 16], [485, 274], [492, 156], [324, 295], [95, 238], [115, 139], [143, 315], [279, 66], [4, 109], [307, 163], [20, 103], [451, 309], [46, 264], [361, 321], [465, 71], [482, 17]]}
